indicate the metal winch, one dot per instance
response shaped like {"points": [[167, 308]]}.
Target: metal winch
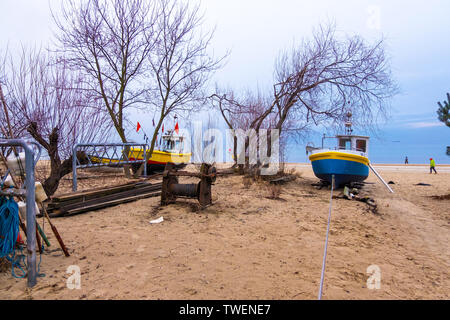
{"points": [[172, 189]]}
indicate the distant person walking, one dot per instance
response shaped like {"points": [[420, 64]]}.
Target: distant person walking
{"points": [[406, 160], [432, 166]]}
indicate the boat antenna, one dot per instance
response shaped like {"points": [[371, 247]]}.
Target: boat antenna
{"points": [[349, 124]]}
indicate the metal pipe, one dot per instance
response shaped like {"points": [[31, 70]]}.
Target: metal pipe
{"points": [[30, 200], [5, 177], [75, 165], [184, 190], [145, 159], [31, 215], [379, 177]]}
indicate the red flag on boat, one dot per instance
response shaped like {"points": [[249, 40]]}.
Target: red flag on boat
{"points": [[177, 129], [138, 127], [163, 128]]}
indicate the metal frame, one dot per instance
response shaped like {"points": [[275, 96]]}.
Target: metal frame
{"points": [[100, 151], [30, 164], [325, 137]]}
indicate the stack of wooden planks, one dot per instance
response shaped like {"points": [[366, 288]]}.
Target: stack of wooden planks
{"points": [[85, 201]]}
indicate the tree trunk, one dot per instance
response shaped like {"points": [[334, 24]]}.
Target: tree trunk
{"points": [[235, 141], [58, 169]]}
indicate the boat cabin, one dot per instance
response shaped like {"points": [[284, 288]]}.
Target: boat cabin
{"points": [[172, 143], [353, 143]]}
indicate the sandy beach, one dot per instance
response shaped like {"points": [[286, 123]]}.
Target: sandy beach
{"points": [[247, 246]]}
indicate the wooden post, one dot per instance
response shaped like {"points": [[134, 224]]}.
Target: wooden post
{"points": [[55, 232]]}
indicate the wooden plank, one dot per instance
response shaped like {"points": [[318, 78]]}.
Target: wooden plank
{"points": [[55, 205], [106, 204], [92, 193], [79, 193], [97, 194], [116, 196], [69, 196]]}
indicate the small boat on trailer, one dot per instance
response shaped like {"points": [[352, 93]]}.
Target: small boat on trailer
{"points": [[347, 162], [171, 150]]}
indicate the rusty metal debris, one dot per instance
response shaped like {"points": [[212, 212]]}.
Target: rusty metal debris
{"points": [[353, 194], [283, 180], [172, 189]]}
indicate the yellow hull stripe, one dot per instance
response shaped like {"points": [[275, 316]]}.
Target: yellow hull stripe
{"points": [[157, 156], [161, 156], [103, 160], [339, 156]]}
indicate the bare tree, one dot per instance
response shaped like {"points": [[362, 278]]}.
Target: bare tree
{"points": [[109, 41], [230, 110], [180, 63], [319, 78], [317, 82], [248, 111], [48, 102], [151, 53]]}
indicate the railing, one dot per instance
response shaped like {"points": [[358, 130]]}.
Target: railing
{"points": [[30, 164], [106, 154], [325, 137]]}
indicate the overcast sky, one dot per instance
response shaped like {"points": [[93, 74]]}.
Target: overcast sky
{"points": [[255, 31]]}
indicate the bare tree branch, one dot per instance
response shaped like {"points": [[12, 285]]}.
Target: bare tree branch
{"points": [[48, 102]]}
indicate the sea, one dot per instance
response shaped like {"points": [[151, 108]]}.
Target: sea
{"points": [[391, 146]]}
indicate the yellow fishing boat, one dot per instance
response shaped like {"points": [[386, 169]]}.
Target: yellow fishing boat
{"points": [[171, 150]]}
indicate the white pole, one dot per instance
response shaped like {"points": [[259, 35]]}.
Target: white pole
{"points": [[379, 177]]}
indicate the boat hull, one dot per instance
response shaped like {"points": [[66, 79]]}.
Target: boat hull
{"points": [[345, 167], [159, 159], [157, 162]]}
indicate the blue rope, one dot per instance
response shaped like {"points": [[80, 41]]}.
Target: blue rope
{"points": [[9, 231], [16, 263], [20, 261], [9, 226]]}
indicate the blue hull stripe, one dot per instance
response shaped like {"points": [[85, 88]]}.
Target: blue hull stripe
{"points": [[345, 171]]}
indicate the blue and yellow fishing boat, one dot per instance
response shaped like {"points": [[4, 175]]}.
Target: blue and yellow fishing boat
{"points": [[348, 162]]}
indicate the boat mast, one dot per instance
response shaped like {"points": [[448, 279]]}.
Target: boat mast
{"points": [[348, 124]]}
